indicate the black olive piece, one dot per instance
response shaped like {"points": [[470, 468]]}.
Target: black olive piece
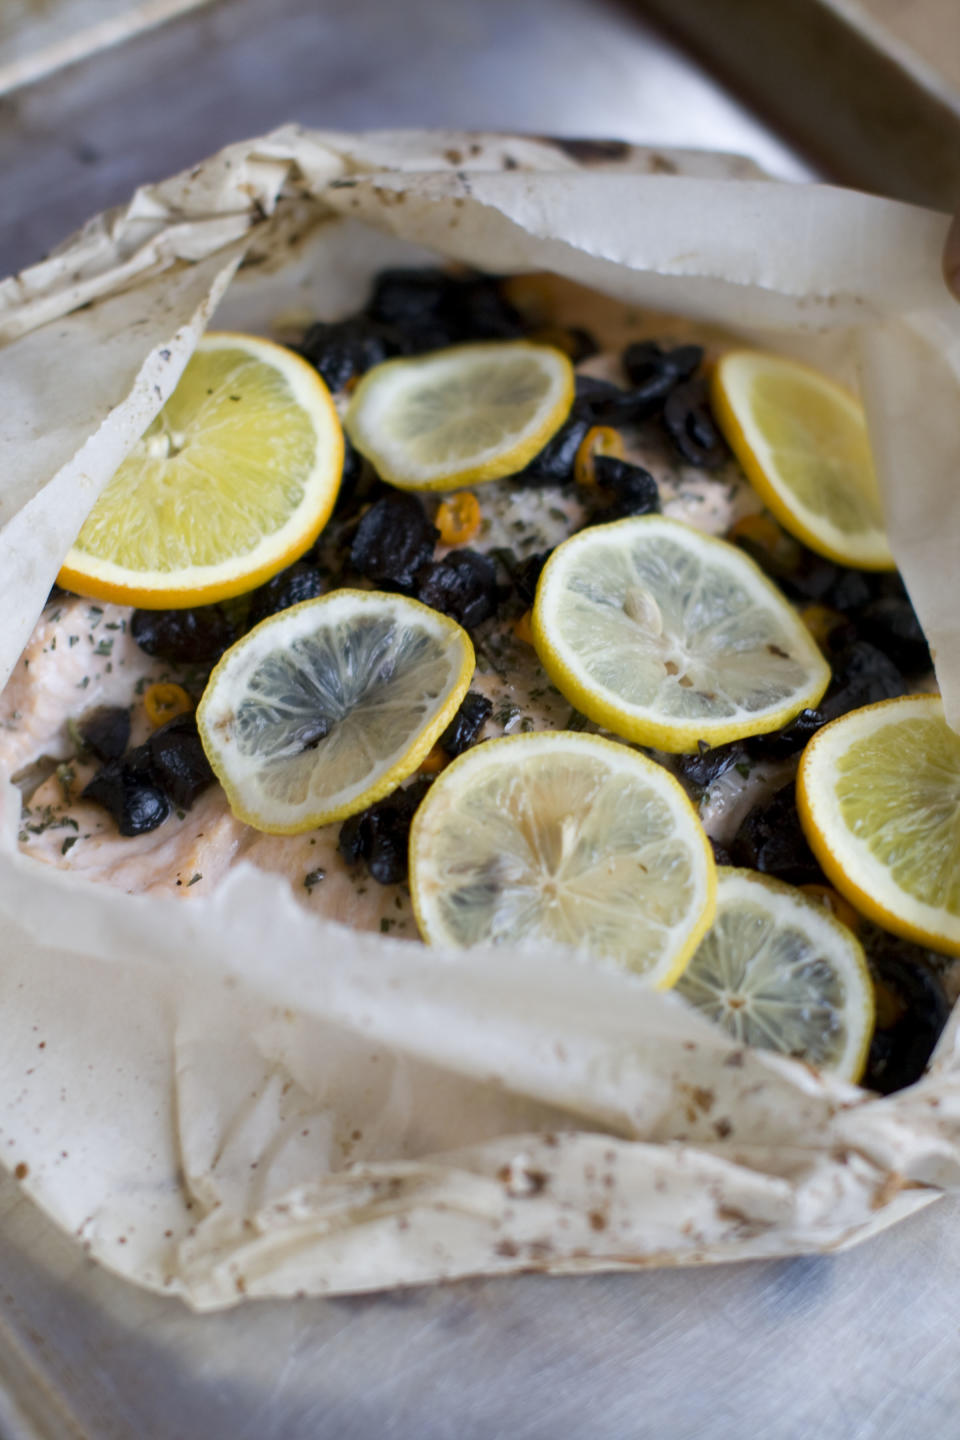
{"points": [[527, 575], [105, 732], [862, 675], [183, 637], [635, 490], [341, 349], [606, 404], [431, 309], [581, 344], [781, 744], [701, 769], [462, 585], [720, 852], [689, 423], [891, 624], [300, 581], [136, 804], [912, 1010], [553, 465], [393, 541], [645, 361], [466, 725], [177, 761], [850, 590], [380, 834], [771, 840], [484, 313]]}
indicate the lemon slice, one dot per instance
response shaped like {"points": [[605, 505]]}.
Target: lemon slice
{"points": [[878, 793], [462, 415], [668, 637], [802, 441], [232, 481], [779, 972], [563, 837], [325, 708]]}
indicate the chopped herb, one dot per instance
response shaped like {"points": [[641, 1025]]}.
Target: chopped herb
{"points": [[105, 647], [557, 514], [386, 925], [73, 640], [312, 878], [68, 843], [197, 875], [84, 683], [576, 721], [742, 768]]}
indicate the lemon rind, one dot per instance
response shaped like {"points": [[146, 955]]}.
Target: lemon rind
{"points": [[435, 934], [852, 869]]}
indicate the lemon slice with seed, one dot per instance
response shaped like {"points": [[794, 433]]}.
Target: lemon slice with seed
{"points": [[669, 637], [779, 972], [802, 441], [878, 793], [234, 479], [568, 838], [325, 708], [462, 415]]}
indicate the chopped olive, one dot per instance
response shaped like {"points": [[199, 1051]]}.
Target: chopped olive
{"points": [[135, 802], [573, 340], [770, 839], [600, 402], [720, 852], [912, 1010], [700, 770], [105, 732], [553, 465], [527, 574], [634, 489], [466, 725], [344, 348], [356, 478], [431, 308], [462, 585], [781, 744], [379, 835], [184, 637], [393, 541], [177, 760], [862, 675], [645, 362], [689, 423], [300, 581], [891, 624]]}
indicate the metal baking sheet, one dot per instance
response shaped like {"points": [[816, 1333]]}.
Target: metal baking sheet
{"points": [[846, 1347]]}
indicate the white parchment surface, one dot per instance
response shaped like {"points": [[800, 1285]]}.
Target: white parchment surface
{"points": [[226, 1096]]}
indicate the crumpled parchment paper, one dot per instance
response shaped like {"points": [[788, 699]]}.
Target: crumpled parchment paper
{"points": [[225, 1096]]}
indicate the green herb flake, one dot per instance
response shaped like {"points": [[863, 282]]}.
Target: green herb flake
{"points": [[313, 878], [197, 875], [69, 843]]}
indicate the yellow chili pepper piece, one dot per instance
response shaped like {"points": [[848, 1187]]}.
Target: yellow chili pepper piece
{"points": [[165, 701], [821, 621], [458, 519], [434, 761], [522, 628], [599, 440]]}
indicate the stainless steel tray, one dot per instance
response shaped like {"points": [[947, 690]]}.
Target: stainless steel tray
{"points": [[846, 1347]]}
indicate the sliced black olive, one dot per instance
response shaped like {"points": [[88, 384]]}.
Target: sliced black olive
{"points": [[135, 802], [602, 403], [890, 623], [430, 308], [862, 675], [771, 839], [184, 637], [344, 348], [462, 585], [466, 725], [644, 361], [300, 581], [526, 575], [393, 541], [912, 1010], [700, 770], [781, 744], [720, 852], [380, 834], [634, 489], [689, 423], [553, 465], [177, 760], [105, 732]]}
